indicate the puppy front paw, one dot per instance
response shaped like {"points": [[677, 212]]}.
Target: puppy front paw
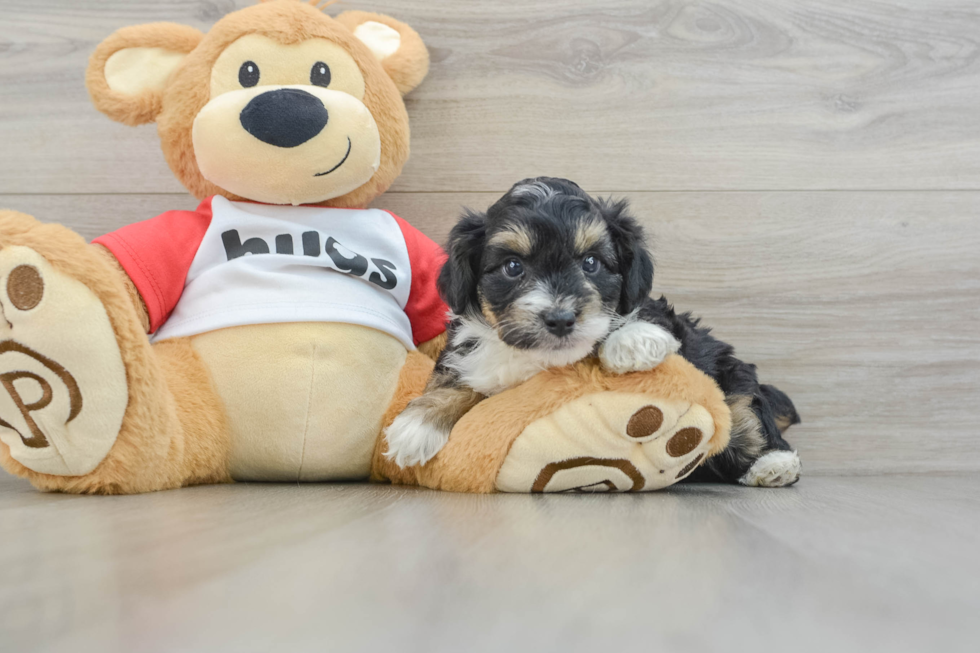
{"points": [[414, 440], [637, 347]]}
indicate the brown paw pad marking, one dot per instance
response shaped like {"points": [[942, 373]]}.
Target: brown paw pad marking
{"points": [[25, 287], [35, 437], [644, 422], [625, 466], [684, 442], [689, 467]]}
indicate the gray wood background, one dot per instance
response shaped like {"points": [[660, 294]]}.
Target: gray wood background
{"points": [[809, 172]]}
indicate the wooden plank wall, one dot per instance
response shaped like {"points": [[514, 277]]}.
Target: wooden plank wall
{"points": [[809, 171]]}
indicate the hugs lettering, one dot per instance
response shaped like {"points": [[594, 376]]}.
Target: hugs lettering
{"points": [[343, 259]]}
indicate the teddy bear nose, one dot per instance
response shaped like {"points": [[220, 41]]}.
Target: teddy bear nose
{"points": [[285, 117]]}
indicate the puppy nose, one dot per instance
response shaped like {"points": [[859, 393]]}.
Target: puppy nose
{"points": [[285, 117], [559, 322]]}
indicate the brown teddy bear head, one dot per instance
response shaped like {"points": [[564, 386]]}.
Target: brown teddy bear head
{"points": [[277, 103]]}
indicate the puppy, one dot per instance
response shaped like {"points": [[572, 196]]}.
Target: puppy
{"points": [[550, 275]]}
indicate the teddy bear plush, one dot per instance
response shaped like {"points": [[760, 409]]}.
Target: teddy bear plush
{"points": [[271, 334]]}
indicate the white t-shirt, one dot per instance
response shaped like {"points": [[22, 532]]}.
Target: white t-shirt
{"points": [[237, 263]]}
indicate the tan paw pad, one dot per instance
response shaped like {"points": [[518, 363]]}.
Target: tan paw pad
{"points": [[63, 390], [608, 442]]}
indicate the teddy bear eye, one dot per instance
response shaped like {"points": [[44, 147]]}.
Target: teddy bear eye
{"points": [[320, 75], [248, 74]]}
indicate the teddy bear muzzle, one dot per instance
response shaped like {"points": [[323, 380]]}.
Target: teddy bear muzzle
{"points": [[287, 144]]}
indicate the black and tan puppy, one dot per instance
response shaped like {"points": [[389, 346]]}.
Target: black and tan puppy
{"points": [[550, 275]]}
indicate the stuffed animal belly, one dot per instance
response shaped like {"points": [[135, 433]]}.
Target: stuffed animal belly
{"points": [[304, 401]]}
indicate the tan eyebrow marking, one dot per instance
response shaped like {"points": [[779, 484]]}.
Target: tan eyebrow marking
{"points": [[515, 238], [588, 235]]}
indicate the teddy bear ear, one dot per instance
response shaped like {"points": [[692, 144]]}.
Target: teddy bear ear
{"points": [[397, 46], [129, 70]]}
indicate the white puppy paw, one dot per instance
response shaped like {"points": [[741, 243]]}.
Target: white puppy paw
{"points": [[637, 347], [774, 469], [413, 440]]}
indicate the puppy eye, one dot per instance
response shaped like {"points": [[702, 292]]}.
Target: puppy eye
{"points": [[513, 268], [590, 264], [248, 74], [320, 75]]}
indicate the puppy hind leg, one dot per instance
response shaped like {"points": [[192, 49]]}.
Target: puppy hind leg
{"points": [[756, 455], [778, 465], [784, 412], [746, 445]]}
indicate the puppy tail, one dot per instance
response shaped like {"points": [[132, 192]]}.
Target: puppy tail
{"points": [[782, 407]]}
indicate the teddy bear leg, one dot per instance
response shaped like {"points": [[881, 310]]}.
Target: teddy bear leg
{"points": [[87, 405], [582, 429]]}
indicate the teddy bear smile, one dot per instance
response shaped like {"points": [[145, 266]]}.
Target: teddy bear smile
{"points": [[321, 174]]}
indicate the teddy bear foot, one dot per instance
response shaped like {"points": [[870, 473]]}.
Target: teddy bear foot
{"points": [[63, 388], [609, 442]]}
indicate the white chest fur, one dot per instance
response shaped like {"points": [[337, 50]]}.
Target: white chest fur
{"points": [[493, 366]]}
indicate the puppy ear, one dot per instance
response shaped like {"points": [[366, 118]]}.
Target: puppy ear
{"points": [[397, 46], [458, 277], [635, 262], [129, 70]]}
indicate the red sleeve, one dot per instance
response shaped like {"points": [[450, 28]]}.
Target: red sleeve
{"points": [[425, 310], [157, 254]]}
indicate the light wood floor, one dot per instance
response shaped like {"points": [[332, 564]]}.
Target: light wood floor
{"points": [[883, 563], [810, 174]]}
